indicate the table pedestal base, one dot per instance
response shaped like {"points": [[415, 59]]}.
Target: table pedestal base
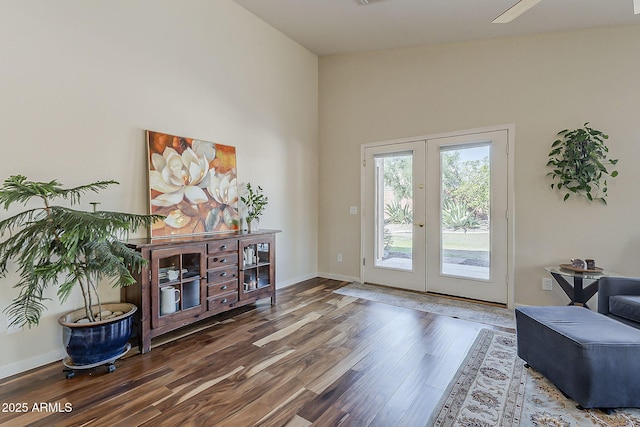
{"points": [[576, 293]]}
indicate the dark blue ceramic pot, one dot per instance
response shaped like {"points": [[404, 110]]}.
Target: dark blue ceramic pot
{"points": [[97, 342]]}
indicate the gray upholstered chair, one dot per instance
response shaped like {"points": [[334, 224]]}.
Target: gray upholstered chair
{"points": [[619, 298]]}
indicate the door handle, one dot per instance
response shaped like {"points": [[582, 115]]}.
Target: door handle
{"points": [[419, 224]]}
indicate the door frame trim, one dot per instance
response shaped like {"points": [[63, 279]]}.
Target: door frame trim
{"points": [[510, 129]]}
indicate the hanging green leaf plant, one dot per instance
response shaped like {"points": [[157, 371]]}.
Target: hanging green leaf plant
{"points": [[579, 162]]}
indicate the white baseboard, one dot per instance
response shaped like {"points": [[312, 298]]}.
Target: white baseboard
{"points": [[338, 277], [299, 279], [32, 362], [295, 280]]}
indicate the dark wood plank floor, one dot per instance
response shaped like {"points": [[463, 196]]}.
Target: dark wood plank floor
{"points": [[317, 358]]}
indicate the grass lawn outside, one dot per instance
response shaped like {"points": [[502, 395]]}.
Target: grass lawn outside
{"points": [[452, 240]]}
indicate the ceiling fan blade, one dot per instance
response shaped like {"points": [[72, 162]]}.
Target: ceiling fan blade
{"points": [[518, 9], [636, 6]]}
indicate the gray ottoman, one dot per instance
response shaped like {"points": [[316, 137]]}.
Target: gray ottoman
{"points": [[591, 358]]}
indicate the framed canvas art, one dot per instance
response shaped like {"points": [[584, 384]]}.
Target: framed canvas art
{"points": [[193, 184]]}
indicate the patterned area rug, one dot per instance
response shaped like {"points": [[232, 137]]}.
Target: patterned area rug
{"points": [[493, 388], [481, 313]]}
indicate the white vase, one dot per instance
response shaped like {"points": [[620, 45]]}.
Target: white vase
{"points": [[254, 226]]}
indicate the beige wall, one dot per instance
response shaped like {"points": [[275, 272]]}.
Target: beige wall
{"points": [[80, 81], [541, 84]]}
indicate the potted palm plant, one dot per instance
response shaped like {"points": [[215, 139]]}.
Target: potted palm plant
{"points": [[67, 248]]}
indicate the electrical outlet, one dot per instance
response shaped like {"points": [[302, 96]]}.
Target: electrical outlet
{"points": [[353, 210], [339, 257], [547, 284]]}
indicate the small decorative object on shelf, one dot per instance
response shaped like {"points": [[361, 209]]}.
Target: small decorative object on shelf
{"points": [[579, 263], [255, 202], [579, 162], [250, 256], [582, 266], [252, 285]]}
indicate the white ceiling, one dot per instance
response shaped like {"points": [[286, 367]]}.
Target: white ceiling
{"points": [[328, 27]]}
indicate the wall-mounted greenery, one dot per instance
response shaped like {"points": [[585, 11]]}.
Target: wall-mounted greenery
{"points": [[579, 162]]}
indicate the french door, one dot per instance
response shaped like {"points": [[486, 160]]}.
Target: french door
{"points": [[394, 229], [435, 215]]}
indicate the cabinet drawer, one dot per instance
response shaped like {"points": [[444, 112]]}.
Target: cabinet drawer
{"points": [[222, 246], [222, 288], [222, 274], [222, 303], [222, 260]]}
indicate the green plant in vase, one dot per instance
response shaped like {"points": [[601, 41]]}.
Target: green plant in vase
{"points": [[256, 202], [580, 164]]}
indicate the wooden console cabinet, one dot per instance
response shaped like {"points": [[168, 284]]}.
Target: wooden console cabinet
{"points": [[192, 278]]}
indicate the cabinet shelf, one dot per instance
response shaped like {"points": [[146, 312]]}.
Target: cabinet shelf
{"points": [[259, 286], [250, 266], [167, 282]]}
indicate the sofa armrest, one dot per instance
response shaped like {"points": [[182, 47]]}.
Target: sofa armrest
{"points": [[610, 286]]}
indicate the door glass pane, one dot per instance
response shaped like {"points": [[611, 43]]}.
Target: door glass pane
{"points": [[179, 282], [394, 210], [169, 269], [465, 173]]}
